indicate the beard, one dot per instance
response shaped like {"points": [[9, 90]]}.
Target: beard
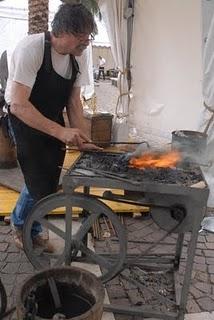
{"points": [[79, 50]]}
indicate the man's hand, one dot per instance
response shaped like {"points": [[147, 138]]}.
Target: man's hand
{"points": [[73, 136], [90, 146]]}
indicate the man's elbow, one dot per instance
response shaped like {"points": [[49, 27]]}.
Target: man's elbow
{"points": [[16, 109]]}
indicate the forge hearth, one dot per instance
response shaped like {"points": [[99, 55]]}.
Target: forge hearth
{"points": [[177, 198], [117, 165]]}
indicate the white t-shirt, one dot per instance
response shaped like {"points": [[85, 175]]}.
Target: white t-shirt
{"points": [[102, 62], [27, 58]]}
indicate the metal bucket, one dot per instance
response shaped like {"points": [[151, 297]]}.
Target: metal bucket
{"points": [[192, 144], [61, 293]]}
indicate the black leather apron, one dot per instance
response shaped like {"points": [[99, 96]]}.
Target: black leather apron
{"points": [[40, 156]]}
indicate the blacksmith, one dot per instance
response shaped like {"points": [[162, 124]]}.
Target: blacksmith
{"points": [[44, 78]]}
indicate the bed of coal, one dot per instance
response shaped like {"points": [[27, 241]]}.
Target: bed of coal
{"points": [[118, 164]]}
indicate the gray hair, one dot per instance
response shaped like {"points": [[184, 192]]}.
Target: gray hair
{"points": [[75, 19]]}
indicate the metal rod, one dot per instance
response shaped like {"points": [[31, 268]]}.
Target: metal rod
{"points": [[116, 142], [55, 293]]}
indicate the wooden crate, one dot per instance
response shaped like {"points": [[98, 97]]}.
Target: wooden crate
{"points": [[99, 127]]}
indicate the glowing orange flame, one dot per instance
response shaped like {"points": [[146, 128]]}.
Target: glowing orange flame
{"points": [[156, 160]]}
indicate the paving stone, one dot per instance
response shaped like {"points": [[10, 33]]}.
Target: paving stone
{"points": [[121, 302], [198, 252], [122, 317], [21, 278], [116, 292], [8, 238], [127, 285], [196, 292], [204, 287], [9, 289], [199, 316], [212, 278], [200, 267], [201, 239], [135, 297], [187, 236], [11, 268], [209, 253], [192, 307], [3, 246], [5, 229], [140, 236], [12, 248], [8, 278], [210, 261], [206, 304], [210, 238], [200, 260], [2, 237], [3, 256], [26, 268], [201, 246], [171, 240], [210, 245], [134, 251], [135, 227], [13, 257], [211, 269], [201, 276], [162, 249]]}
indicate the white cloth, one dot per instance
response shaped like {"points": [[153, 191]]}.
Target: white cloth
{"points": [[208, 96], [116, 25], [27, 58]]}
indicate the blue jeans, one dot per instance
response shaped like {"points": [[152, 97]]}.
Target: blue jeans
{"points": [[23, 207], [24, 204]]}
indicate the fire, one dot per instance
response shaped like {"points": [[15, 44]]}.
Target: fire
{"points": [[156, 160]]}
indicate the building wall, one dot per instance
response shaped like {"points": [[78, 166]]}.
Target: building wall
{"points": [[167, 66]]}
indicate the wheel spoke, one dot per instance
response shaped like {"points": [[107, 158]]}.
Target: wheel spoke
{"points": [[46, 223], [68, 234], [101, 261], [86, 225]]}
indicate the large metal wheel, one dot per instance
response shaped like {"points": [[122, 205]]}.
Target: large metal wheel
{"points": [[70, 243]]}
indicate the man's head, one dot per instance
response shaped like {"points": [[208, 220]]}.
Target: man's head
{"points": [[73, 27]]}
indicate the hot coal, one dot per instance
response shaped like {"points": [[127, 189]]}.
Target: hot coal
{"points": [[118, 164]]}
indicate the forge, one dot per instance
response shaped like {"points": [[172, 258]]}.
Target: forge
{"points": [[177, 198]]}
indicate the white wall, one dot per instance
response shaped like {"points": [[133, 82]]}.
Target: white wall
{"points": [[167, 66]]}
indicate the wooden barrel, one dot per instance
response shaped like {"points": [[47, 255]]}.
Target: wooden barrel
{"points": [[7, 152], [61, 293]]}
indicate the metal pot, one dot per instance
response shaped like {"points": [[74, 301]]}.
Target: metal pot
{"points": [[192, 144]]}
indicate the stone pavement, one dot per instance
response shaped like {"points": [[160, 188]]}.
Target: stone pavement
{"points": [[14, 268], [201, 294]]}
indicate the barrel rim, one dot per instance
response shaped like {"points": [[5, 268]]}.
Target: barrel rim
{"points": [[189, 133], [43, 274]]}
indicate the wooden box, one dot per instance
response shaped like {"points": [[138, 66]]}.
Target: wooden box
{"points": [[99, 126]]}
